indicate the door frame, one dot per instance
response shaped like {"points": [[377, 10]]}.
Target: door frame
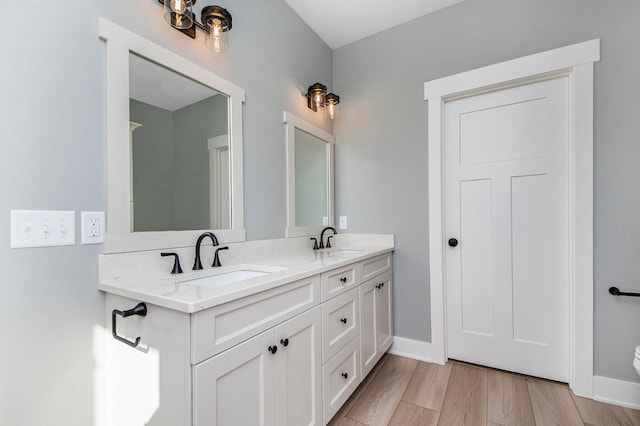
{"points": [[575, 61]]}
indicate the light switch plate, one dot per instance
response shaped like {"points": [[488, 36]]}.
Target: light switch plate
{"points": [[42, 228], [92, 227]]}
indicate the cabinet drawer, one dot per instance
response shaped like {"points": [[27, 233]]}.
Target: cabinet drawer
{"points": [[340, 322], [221, 327], [340, 280], [375, 266], [340, 377]]}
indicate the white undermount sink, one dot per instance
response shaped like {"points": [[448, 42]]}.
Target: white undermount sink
{"points": [[345, 251], [233, 274]]}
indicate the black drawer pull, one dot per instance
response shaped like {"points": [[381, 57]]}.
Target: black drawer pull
{"points": [[343, 280], [273, 349], [345, 375], [343, 320], [284, 342]]}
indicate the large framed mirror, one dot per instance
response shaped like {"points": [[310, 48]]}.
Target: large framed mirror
{"points": [[309, 152], [174, 148]]}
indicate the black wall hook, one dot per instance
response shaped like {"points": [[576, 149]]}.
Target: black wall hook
{"points": [[139, 309]]}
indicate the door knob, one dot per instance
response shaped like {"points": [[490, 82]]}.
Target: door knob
{"points": [[453, 242]]}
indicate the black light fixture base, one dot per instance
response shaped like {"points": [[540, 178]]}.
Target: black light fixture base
{"points": [[209, 13]]}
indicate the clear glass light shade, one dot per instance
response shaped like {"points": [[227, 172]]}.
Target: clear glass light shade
{"points": [[179, 13], [331, 105], [331, 110], [217, 39], [318, 100]]}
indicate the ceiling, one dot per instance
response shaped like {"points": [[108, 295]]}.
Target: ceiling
{"points": [[156, 85], [340, 22]]}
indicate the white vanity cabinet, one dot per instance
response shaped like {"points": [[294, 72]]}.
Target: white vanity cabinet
{"points": [[291, 354], [271, 379]]}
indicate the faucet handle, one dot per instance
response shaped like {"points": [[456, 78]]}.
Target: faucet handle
{"points": [[176, 262], [216, 258], [315, 243], [329, 241]]}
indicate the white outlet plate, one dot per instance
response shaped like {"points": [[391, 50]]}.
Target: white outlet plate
{"points": [[92, 227], [343, 222], [42, 228]]}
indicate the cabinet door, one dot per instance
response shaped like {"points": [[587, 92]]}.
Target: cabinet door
{"points": [[376, 308], [384, 312], [299, 371], [236, 387], [368, 335]]}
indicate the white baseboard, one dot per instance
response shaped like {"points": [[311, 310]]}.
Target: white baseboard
{"points": [[410, 348], [618, 392]]}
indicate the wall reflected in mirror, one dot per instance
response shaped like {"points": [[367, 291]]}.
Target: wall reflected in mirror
{"points": [[179, 150], [311, 185]]}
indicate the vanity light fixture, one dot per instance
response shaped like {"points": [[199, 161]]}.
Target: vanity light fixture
{"points": [[216, 22], [331, 105], [317, 97]]}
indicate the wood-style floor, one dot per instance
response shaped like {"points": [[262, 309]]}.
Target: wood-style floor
{"points": [[403, 391]]}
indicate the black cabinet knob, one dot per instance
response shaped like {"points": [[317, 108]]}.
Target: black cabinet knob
{"points": [[343, 280], [345, 375], [453, 242], [273, 349], [284, 342], [343, 320], [379, 286]]}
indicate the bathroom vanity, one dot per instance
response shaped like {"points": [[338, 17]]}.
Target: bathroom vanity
{"points": [[287, 346]]}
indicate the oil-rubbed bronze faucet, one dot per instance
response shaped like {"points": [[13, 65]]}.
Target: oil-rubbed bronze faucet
{"points": [[322, 237], [197, 264]]}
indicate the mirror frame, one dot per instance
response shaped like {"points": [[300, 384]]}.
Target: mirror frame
{"points": [[119, 238], [291, 123]]}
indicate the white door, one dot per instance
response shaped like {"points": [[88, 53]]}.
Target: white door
{"points": [[507, 205]]}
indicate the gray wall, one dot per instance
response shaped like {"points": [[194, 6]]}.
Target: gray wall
{"points": [[52, 155], [381, 141]]}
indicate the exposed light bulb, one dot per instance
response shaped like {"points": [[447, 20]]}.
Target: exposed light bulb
{"points": [[331, 111], [217, 37], [178, 13], [178, 6]]}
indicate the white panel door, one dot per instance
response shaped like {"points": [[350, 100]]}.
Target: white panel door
{"points": [[506, 203]]}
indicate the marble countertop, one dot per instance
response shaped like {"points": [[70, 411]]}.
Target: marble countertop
{"points": [[125, 274]]}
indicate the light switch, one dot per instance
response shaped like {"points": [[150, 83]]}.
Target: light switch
{"points": [[41, 228]]}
